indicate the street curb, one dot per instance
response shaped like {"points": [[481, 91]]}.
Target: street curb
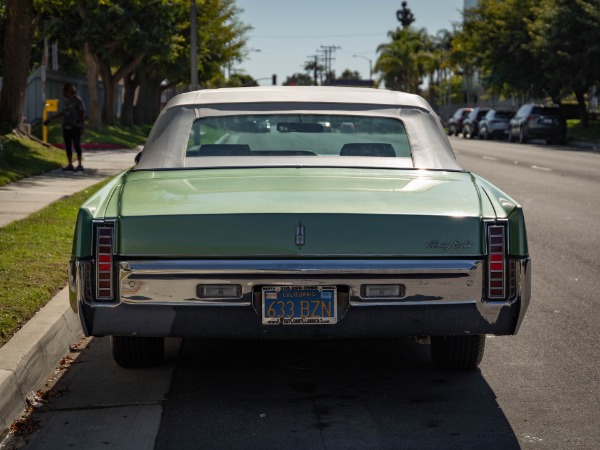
{"points": [[32, 354]]}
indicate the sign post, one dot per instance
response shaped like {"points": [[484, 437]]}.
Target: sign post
{"points": [[51, 105]]}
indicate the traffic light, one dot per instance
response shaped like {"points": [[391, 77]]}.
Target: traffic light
{"points": [[274, 80]]}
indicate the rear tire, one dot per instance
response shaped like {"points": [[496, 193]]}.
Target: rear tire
{"points": [[457, 352], [134, 352]]}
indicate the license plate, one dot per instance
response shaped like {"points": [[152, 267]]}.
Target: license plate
{"points": [[548, 121], [299, 305]]}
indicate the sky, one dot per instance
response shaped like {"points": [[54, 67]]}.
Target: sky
{"points": [[287, 34]]}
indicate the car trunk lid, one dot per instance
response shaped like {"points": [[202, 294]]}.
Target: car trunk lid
{"points": [[299, 212]]}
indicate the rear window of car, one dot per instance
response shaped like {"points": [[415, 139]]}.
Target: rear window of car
{"points": [[504, 114], [546, 111], [296, 135]]}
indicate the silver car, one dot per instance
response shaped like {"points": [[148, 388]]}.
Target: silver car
{"points": [[495, 124]]}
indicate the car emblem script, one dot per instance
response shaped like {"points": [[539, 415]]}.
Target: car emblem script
{"points": [[300, 235]]}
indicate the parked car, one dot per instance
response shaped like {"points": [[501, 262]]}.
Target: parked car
{"points": [[495, 124], [263, 126], [538, 122], [298, 233], [455, 123], [347, 127], [471, 123]]}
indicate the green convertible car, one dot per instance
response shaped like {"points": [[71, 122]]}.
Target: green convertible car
{"points": [[299, 213]]}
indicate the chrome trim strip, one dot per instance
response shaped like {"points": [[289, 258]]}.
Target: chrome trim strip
{"points": [[295, 266], [426, 281]]}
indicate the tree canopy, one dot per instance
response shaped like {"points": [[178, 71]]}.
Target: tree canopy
{"points": [[141, 43], [116, 37], [405, 59], [526, 48], [543, 48]]}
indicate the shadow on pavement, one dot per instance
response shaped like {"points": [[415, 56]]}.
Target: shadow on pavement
{"points": [[378, 394]]}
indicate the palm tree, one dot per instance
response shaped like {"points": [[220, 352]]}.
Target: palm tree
{"points": [[316, 68], [405, 60], [439, 85]]}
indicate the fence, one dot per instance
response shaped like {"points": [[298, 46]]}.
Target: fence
{"points": [[55, 80]]}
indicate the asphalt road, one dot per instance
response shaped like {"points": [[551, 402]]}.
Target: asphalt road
{"points": [[537, 390]]}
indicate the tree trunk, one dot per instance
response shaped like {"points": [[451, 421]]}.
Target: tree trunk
{"points": [[148, 104], [138, 108], [110, 83], [108, 109], [95, 118], [131, 84], [583, 115], [20, 25]]}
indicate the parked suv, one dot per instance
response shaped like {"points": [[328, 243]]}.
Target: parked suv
{"points": [[455, 123], [538, 122], [471, 123], [495, 123]]}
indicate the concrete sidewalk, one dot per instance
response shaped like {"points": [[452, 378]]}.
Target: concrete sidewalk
{"points": [[21, 198], [31, 355]]}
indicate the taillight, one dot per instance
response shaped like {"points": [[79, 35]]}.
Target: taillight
{"points": [[496, 264], [532, 117], [104, 262]]}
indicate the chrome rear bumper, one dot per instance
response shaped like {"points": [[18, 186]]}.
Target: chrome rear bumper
{"points": [[159, 298]]}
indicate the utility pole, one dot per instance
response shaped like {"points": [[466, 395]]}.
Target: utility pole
{"points": [[329, 50], [193, 46]]}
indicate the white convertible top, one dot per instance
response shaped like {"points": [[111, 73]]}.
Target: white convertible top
{"points": [[309, 94], [429, 145]]}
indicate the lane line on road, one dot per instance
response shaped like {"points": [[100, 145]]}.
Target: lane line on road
{"points": [[545, 169]]}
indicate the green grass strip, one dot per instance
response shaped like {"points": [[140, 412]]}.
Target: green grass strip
{"points": [[22, 158], [34, 253]]}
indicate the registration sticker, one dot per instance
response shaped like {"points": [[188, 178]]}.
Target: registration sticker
{"points": [[299, 305]]}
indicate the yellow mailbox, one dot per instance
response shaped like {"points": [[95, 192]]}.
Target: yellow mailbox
{"points": [[50, 106]]}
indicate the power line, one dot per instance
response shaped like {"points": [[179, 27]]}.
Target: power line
{"points": [[320, 36]]}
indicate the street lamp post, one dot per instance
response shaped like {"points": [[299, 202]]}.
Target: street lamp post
{"points": [[370, 64]]}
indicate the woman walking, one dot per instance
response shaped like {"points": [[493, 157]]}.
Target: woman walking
{"points": [[73, 114]]}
